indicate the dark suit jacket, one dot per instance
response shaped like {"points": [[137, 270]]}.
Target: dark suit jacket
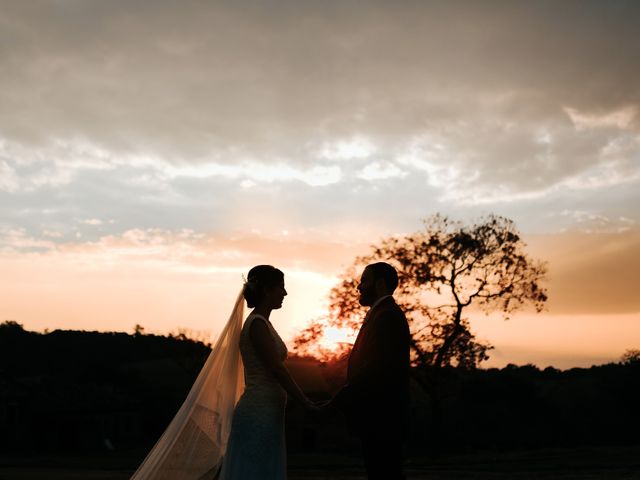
{"points": [[377, 390]]}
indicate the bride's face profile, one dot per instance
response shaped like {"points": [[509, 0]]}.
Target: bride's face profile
{"points": [[275, 296]]}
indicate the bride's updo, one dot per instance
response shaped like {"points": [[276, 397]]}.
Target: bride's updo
{"points": [[260, 279]]}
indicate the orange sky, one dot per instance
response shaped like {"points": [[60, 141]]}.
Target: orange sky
{"points": [[166, 282]]}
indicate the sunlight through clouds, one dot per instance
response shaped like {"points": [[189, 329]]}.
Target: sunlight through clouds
{"points": [[355, 148], [379, 171], [256, 172], [622, 119]]}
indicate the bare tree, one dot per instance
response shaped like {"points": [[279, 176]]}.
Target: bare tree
{"points": [[445, 270]]}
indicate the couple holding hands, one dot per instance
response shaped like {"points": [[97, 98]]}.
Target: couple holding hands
{"points": [[231, 425], [374, 399]]}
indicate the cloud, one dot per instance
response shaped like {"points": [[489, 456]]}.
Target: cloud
{"points": [[378, 171], [353, 148], [622, 118], [9, 181], [256, 172], [186, 250], [585, 267], [518, 98], [589, 222], [159, 278], [17, 240]]}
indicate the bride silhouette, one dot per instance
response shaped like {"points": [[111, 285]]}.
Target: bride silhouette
{"points": [[231, 426]]}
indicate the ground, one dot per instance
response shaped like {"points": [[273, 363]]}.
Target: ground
{"points": [[610, 463]]}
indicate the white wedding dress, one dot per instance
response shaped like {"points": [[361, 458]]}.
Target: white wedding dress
{"points": [[256, 448], [220, 427]]}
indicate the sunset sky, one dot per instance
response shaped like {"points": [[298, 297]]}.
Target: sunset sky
{"points": [[153, 151]]}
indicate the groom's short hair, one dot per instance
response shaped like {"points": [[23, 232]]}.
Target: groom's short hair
{"points": [[384, 271]]}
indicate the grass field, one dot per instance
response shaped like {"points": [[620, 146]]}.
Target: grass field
{"points": [[610, 463]]}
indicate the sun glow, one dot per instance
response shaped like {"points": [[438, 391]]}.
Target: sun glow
{"points": [[330, 343], [333, 337]]}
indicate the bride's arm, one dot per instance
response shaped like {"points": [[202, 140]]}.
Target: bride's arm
{"points": [[265, 348]]}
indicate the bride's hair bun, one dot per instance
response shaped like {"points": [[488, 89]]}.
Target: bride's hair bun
{"points": [[260, 279]]}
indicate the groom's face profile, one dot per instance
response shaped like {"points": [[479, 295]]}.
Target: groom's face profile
{"points": [[367, 288]]}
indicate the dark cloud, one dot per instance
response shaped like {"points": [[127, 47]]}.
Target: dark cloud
{"points": [[471, 99], [197, 72]]}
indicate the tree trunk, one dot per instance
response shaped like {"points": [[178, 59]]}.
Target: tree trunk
{"points": [[446, 345]]}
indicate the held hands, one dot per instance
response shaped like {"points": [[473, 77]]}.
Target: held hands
{"points": [[313, 407], [317, 407], [337, 402], [326, 406]]}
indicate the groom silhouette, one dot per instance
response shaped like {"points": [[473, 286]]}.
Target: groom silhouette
{"points": [[376, 395]]}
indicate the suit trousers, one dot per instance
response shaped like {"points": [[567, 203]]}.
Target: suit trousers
{"points": [[382, 451]]}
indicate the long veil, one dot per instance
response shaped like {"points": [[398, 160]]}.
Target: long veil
{"points": [[194, 443]]}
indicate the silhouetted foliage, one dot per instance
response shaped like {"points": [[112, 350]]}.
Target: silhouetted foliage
{"points": [[11, 328], [444, 270], [72, 391], [307, 343], [630, 356], [80, 389]]}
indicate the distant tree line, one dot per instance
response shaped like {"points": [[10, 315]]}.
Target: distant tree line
{"points": [[73, 391], [80, 389]]}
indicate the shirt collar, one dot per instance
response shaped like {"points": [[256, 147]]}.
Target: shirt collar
{"points": [[377, 302]]}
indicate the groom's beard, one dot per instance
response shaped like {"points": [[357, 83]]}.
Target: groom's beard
{"points": [[366, 298]]}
